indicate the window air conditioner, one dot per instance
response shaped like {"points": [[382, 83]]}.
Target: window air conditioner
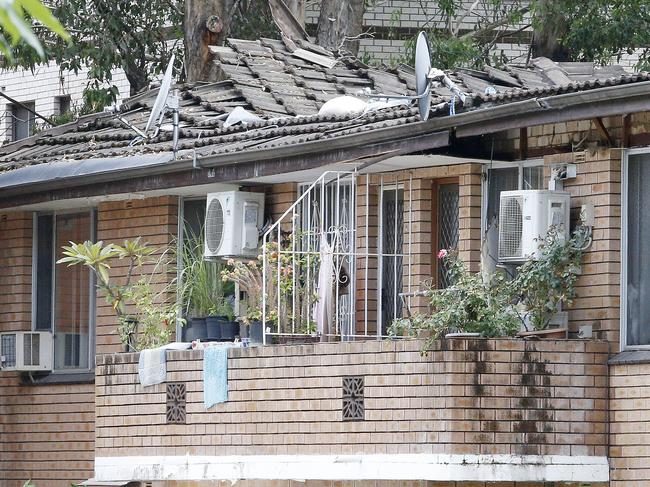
{"points": [[232, 223], [23, 351], [524, 220]]}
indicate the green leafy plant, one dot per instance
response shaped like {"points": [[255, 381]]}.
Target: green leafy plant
{"points": [[248, 275], [202, 289], [18, 19], [546, 282], [146, 310], [469, 304]]}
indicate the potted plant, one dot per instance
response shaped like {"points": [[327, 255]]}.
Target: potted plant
{"points": [[221, 321], [471, 305], [248, 276], [203, 295], [546, 283]]}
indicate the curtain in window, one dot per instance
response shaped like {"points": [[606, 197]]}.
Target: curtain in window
{"points": [[638, 251]]}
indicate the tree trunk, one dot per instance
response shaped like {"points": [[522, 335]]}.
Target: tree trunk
{"points": [[206, 24], [550, 27], [297, 8], [340, 21]]}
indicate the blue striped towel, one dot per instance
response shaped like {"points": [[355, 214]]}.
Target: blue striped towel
{"points": [[215, 375]]}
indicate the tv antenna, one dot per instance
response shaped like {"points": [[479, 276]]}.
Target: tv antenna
{"points": [[165, 102]]}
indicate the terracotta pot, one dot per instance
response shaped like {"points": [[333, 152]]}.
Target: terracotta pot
{"points": [[550, 334]]}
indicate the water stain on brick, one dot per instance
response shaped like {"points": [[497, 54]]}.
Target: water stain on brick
{"points": [[534, 402]]}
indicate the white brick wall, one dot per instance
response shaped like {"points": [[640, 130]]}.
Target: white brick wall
{"points": [[42, 87]]}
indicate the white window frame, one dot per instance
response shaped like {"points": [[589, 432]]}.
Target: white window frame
{"points": [[92, 294], [502, 165], [624, 236]]}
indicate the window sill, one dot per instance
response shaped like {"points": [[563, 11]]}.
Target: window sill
{"points": [[59, 378], [630, 357]]}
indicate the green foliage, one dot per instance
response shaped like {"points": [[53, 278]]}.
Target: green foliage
{"points": [[595, 30], [546, 282], [202, 290], [599, 30], [248, 275], [138, 37], [252, 20], [154, 304], [451, 46], [469, 304], [17, 21], [496, 305]]}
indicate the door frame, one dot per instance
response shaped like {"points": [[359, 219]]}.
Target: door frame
{"points": [[435, 234]]}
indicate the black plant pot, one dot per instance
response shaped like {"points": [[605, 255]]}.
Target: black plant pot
{"points": [[213, 325], [229, 329], [195, 329]]}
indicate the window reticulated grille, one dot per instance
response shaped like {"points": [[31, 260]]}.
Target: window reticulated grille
{"points": [[176, 402], [8, 350], [510, 227], [353, 399]]}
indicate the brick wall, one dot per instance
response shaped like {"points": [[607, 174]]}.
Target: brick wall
{"points": [[46, 432], [630, 413], [466, 396], [598, 182], [155, 220]]}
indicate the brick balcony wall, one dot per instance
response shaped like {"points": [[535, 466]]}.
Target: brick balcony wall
{"points": [[496, 396]]}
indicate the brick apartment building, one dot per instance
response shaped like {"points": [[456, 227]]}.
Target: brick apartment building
{"points": [[365, 411]]}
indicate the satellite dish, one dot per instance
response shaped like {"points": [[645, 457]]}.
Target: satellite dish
{"points": [[422, 68], [161, 99]]}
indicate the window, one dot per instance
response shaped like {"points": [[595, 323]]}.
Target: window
{"points": [[22, 120], [62, 104], [64, 296], [636, 251], [506, 177]]}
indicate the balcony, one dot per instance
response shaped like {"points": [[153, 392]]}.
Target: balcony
{"points": [[471, 409]]}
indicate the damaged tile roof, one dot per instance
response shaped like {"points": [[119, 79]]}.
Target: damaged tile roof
{"points": [[286, 90]]}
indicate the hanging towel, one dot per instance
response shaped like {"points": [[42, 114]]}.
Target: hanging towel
{"points": [[215, 375], [152, 365]]}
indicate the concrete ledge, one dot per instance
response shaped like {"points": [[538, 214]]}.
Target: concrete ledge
{"points": [[436, 467]]}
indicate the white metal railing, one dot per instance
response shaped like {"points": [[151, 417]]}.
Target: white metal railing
{"points": [[338, 260]]}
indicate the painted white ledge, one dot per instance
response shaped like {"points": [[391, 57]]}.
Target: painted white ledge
{"points": [[440, 467]]}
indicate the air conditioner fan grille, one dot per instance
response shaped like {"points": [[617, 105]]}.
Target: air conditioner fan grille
{"points": [[214, 223], [510, 228]]}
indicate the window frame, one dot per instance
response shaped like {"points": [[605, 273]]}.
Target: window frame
{"points": [[92, 294], [624, 241], [31, 118], [485, 187]]}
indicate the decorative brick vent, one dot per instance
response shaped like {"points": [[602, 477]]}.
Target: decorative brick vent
{"points": [[176, 403], [353, 407]]}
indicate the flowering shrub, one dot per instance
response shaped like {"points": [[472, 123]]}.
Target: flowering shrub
{"points": [[468, 304], [497, 305]]}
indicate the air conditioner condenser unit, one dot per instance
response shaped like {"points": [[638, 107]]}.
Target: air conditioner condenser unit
{"points": [[232, 223], [525, 218], [23, 351]]}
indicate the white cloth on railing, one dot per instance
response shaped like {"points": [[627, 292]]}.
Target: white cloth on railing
{"points": [[152, 365], [324, 308]]}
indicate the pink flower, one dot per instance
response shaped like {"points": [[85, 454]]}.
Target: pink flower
{"points": [[442, 253]]}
